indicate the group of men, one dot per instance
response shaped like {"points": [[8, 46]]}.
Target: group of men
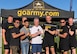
{"points": [[18, 37]]}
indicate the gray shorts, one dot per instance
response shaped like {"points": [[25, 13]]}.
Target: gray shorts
{"points": [[14, 49]]}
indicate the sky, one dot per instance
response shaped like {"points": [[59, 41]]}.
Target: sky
{"points": [[61, 4]]}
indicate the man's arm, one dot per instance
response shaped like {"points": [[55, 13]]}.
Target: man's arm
{"points": [[51, 32], [71, 32], [36, 34], [17, 35], [23, 37], [63, 35], [3, 36]]}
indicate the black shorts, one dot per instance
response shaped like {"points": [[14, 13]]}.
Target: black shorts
{"points": [[48, 42], [64, 46], [72, 43], [6, 47]]}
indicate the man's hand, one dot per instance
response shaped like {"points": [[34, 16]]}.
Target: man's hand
{"points": [[5, 42], [27, 34], [58, 31], [71, 32], [69, 27], [22, 33], [46, 29], [35, 34], [58, 34], [39, 32]]}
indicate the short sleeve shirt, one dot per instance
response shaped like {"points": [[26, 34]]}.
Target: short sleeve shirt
{"points": [[38, 39], [64, 29], [25, 30], [8, 26], [51, 27], [73, 28], [15, 41]]}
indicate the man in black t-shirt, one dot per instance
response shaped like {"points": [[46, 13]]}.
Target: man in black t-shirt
{"points": [[64, 38], [48, 41], [72, 36], [15, 40], [6, 34]]}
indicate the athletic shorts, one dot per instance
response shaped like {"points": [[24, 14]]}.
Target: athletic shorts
{"points": [[6, 46], [15, 49], [36, 48], [64, 46], [72, 43], [48, 42]]}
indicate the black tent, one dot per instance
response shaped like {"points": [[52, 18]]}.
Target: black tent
{"points": [[38, 8]]}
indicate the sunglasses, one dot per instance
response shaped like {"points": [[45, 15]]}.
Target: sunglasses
{"points": [[17, 22], [62, 22]]}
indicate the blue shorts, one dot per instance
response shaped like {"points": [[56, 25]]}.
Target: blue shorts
{"points": [[36, 48]]}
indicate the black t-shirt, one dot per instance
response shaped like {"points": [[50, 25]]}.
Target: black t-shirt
{"points": [[15, 41], [21, 26], [73, 28], [64, 29], [51, 27], [72, 38], [8, 26]]}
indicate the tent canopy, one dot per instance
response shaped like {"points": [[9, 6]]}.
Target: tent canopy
{"points": [[37, 8]]}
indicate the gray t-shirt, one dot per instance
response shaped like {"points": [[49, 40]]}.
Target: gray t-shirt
{"points": [[25, 30]]}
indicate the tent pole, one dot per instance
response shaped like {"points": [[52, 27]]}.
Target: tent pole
{"points": [[71, 1]]}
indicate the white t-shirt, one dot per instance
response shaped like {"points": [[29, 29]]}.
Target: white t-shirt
{"points": [[37, 39]]}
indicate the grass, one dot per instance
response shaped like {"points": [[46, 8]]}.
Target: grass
{"points": [[76, 50], [2, 47]]}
